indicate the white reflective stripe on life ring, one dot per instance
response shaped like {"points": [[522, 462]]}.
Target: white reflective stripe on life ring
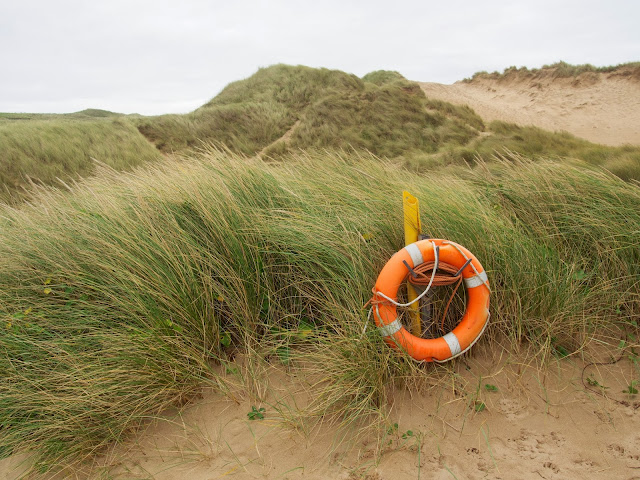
{"points": [[453, 342], [416, 254], [390, 328], [476, 280]]}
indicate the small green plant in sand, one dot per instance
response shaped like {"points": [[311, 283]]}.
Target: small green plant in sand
{"points": [[558, 349], [408, 434], [284, 354], [413, 441], [631, 388], [408, 438], [595, 383], [225, 339], [256, 413], [479, 406], [633, 357]]}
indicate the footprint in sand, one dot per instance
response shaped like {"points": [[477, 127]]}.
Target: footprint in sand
{"points": [[532, 445], [551, 466], [512, 409], [619, 451], [616, 450], [586, 463]]}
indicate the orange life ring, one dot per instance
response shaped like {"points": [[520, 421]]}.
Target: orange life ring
{"points": [[395, 273]]}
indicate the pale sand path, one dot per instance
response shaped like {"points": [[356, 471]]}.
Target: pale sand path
{"points": [[601, 108]]}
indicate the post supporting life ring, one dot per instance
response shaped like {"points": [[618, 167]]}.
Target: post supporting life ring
{"points": [[394, 274]]}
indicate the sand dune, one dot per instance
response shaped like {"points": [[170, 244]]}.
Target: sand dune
{"points": [[535, 423], [538, 422], [599, 107]]}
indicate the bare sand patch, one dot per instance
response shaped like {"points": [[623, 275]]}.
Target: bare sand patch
{"points": [[600, 107]]}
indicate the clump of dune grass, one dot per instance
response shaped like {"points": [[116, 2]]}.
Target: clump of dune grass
{"points": [[623, 161], [63, 148], [531, 142], [380, 77], [116, 298], [559, 69], [462, 113]]}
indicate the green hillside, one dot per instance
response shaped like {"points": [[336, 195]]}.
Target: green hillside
{"points": [[56, 148], [283, 109], [331, 109]]}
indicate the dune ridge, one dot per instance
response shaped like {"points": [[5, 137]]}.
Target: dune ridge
{"points": [[597, 106]]}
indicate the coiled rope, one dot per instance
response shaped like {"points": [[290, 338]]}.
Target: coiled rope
{"points": [[450, 275], [419, 276]]}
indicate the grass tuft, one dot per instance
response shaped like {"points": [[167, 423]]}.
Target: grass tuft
{"points": [[44, 151], [560, 70]]}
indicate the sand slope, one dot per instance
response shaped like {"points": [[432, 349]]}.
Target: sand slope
{"points": [[536, 423], [599, 107]]}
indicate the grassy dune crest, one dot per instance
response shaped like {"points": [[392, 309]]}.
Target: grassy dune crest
{"points": [[47, 150], [382, 113], [560, 70], [534, 142], [250, 114], [116, 299]]}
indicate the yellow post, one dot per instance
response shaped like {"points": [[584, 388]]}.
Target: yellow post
{"points": [[412, 229]]}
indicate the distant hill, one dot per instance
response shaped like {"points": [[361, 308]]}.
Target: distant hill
{"points": [[88, 113], [95, 113], [382, 113], [283, 109]]}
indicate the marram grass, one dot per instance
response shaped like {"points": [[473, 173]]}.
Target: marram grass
{"points": [[116, 298], [59, 149]]}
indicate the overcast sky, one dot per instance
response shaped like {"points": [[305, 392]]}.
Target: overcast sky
{"points": [[154, 57]]}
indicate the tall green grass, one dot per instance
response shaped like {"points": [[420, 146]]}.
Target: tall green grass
{"points": [[390, 121], [116, 298], [534, 142], [44, 151]]}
